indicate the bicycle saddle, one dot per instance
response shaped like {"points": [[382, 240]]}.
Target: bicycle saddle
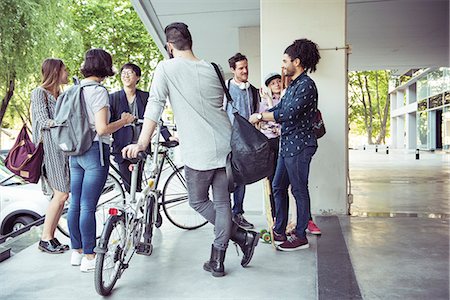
{"points": [[169, 144]]}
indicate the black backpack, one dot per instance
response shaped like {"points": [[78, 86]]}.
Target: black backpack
{"points": [[251, 157]]}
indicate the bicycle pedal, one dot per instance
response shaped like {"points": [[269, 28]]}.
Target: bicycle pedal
{"points": [[144, 249]]}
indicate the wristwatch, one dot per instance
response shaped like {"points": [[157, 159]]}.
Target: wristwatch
{"points": [[259, 116]]}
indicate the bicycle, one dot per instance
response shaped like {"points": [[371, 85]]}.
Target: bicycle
{"points": [[174, 198], [129, 229], [112, 192]]}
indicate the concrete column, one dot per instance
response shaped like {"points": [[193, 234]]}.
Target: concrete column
{"points": [[400, 132], [411, 94], [324, 23], [393, 99], [394, 142], [411, 131], [400, 99]]}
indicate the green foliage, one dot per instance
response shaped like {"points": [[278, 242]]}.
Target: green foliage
{"points": [[114, 26], [32, 30], [368, 97]]}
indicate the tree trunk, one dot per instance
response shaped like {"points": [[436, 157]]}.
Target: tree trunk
{"points": [[370, 112], [6, 99], [383, 123]]}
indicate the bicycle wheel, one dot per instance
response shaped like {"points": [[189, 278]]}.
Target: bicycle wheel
{"points": [[110, 255], [176, 205], [112, 192]]}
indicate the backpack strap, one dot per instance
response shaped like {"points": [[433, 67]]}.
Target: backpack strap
{"points": [[100, 143]]}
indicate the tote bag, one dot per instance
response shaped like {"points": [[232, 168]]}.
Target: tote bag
{"points": [[251, 157], [25, 159]]}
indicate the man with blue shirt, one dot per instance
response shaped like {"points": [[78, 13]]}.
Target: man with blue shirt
{"points": [[246, 102], [298, 142]]}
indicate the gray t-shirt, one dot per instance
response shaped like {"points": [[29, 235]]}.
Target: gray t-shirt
{"points": [[196, 97], [96, 98]]}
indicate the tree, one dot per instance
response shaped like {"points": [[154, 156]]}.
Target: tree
{"points": [[369, 104], [30, 30], [115, 26]]}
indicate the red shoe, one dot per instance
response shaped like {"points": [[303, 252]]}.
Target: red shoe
{"points": [[312, 228]]}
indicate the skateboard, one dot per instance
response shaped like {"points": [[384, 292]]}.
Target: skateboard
{"points": [[267, 234]]}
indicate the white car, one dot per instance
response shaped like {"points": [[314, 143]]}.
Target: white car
{"points": [[20, 203]]}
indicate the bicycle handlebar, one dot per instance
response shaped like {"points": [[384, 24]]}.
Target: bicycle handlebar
{"points": [[142, 155]]}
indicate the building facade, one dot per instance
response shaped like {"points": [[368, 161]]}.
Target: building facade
{"points": [[420, 111]]}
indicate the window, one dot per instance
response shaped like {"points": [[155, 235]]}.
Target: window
{"points": [[422, 88], [422, 105], [435, 101], [422, 130]]}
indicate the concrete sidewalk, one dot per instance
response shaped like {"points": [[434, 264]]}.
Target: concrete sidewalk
{"points": [[356, 257]]}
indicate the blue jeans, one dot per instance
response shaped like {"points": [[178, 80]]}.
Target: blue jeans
{"points": [[238, 200], [87, 179], [217, 210], [294, 171]]}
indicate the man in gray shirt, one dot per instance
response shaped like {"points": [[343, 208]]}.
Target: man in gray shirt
{"points": [[196, 97], [245, 102]]}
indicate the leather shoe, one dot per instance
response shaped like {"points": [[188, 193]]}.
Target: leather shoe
{"points": [[62, 246], [50, 247]]}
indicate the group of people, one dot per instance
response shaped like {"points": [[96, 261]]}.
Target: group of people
{"points": [[247, 101], [204, 131]]}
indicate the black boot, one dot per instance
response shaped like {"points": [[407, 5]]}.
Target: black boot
{"points": [[247, 241], [215, 263]]}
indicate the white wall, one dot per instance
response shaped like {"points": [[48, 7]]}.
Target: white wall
{"points": [[324, 23], [400, 132], [394, 142], [250, 46]]}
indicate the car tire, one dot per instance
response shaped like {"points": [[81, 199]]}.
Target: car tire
{"points": [[21, 222]]}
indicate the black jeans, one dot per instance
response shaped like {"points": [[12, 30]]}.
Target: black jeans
{"points": [[126, 176]]}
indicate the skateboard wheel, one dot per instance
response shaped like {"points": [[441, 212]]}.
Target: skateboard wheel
{"points": [[263, 231], [266, 237]]}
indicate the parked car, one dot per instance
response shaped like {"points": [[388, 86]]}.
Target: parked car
{"points": [[20, 203]]}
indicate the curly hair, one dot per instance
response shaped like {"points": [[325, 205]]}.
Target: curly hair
{"points": [[306, 51]]}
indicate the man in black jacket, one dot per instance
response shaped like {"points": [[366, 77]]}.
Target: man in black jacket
{"points": [[132, 100]]}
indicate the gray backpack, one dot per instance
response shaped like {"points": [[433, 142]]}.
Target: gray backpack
{"points": [[72, 132]]}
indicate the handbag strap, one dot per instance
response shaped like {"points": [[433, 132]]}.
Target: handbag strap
{"points": [[222, 82]]}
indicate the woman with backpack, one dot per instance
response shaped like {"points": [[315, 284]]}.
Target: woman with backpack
{"points": [[89, 170], [55, 174]]}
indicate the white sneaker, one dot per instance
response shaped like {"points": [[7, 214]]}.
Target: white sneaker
{"points": [[87, 265], [75, 259]]}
